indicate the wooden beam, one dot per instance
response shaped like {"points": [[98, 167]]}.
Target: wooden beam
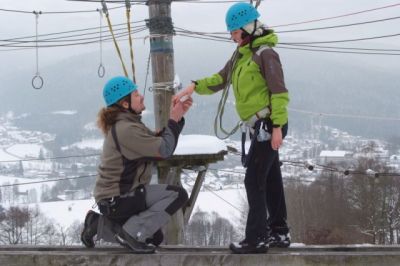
{"points": [[187, 211]]}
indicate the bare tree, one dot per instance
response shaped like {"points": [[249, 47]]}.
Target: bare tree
{"points": [[12, 225], [209, 229]]}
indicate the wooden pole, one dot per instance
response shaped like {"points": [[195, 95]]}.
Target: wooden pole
{"points": [[162, 62], [162, 58]]}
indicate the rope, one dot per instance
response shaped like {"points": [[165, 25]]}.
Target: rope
{"points": [[37, 75], [128, 18], [222, 102], [101, 71], [105, 11], [165, 86], [147, 75]]}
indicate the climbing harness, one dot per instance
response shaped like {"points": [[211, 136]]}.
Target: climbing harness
{"points": [[258, 131], [101, 71], [37, 80]]}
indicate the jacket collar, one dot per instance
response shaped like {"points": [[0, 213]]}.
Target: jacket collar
{"points": [[271, 40], [128, 116]]}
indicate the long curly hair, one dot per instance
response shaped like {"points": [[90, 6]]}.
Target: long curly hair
{"points": [[107, 116]]}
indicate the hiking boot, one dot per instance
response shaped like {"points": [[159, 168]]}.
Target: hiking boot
{"points": [[279, 240], [157, 238], [90, 228], [245, 247], [131, 243]]}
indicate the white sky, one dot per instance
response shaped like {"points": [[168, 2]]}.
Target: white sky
{"points": [[202, 17]]}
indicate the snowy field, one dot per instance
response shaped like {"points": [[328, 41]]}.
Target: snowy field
{"points": [[65, 213]]}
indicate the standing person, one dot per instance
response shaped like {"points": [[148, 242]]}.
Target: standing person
{"points": [[256, 75], [133, 211]]}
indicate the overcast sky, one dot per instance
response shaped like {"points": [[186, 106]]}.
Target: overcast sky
{"points": [[201, 17]]}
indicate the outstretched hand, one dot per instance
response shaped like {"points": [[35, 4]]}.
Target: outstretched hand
{"points": [[188, 91], [179, 108]]}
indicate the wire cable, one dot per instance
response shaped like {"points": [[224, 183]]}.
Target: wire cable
{"points": [[339, 26], [337, 52], [52, 158], [66, 38], [47, 181], [348, 40], [344, 48], [77, 43], [338, 16], [96, 29], [55, 12], [346, 115]]}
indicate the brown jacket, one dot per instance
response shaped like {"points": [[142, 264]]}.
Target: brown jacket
{"points": [[129, 150]]}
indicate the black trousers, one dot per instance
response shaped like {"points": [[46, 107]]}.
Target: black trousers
{"points": [[265, 195]]}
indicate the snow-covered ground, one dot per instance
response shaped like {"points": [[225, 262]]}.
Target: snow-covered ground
{"points": [[4, 156], [26, 150], [226, 203]]}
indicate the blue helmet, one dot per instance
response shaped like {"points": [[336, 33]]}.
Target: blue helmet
{"points": [[117, 88], [239, 15]]}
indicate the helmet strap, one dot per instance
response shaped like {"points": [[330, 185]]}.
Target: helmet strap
{"points": [[249, 37], [130, 109]]}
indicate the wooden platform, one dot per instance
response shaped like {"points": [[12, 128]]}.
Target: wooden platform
{"points": [[200, 256]]}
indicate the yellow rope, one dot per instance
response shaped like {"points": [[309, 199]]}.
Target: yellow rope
{"points": [[130, 43], [116, 45]]}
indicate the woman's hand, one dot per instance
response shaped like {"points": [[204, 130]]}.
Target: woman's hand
{"points": [[276, 139], [186, 91]]}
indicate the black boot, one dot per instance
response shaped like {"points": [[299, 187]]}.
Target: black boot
{"points": [[157, 238], [279, 240], [131, 243], [90, 228], [245, 247]]}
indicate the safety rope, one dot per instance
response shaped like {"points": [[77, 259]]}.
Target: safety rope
{"points": [[164, 86], [37, 75], [147, 75], [221, 105], [105, 11], [101, 71], [258, 2], [128, 18]]}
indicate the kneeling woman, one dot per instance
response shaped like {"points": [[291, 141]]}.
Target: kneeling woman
{"points": [[133, 211]]}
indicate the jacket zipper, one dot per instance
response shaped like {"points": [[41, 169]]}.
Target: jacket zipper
{"points": [[237, 81]]}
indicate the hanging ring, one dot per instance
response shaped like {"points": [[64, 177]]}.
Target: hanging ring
{"points": [[40, 80], [101, 71]]}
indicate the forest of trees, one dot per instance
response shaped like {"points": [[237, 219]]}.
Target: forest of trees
{"points": [[340, 209], [30, 227]]}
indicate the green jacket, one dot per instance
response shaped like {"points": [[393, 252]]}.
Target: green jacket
{"points": [[257, 81]]}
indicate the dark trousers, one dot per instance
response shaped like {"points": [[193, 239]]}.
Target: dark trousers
{"points": [[265, 195]]}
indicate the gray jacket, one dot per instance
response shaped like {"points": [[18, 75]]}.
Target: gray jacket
{"points": [[129, 150]]}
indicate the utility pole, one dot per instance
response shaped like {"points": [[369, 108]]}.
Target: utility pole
{"points": [[162, 58], [162, 62]]}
